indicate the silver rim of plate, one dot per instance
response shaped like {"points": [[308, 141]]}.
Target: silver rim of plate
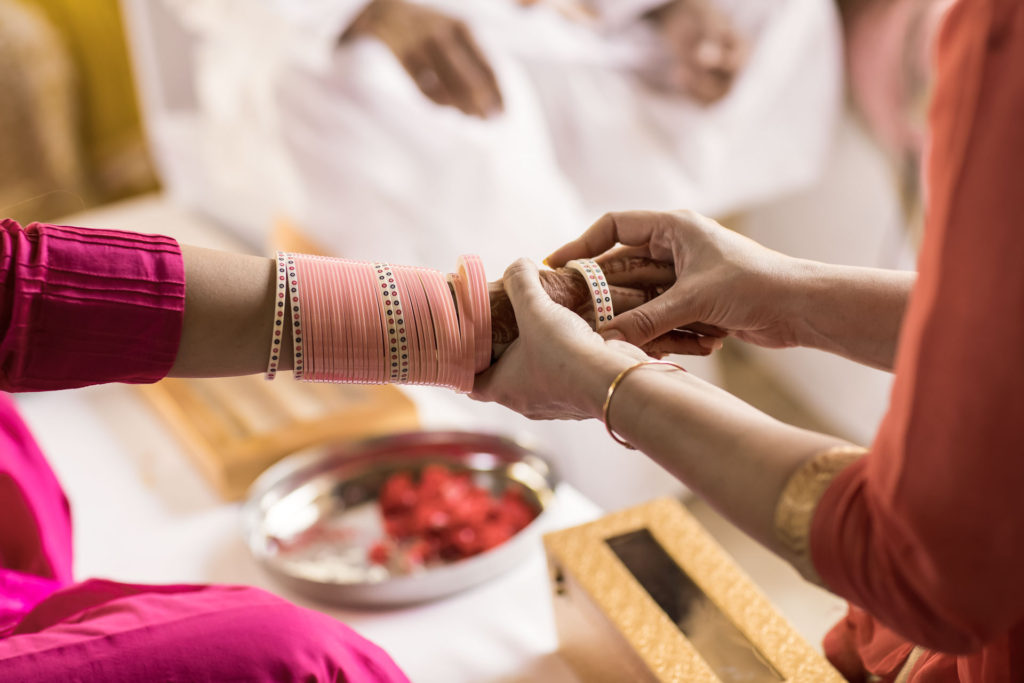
{"points": [[327, 498]]}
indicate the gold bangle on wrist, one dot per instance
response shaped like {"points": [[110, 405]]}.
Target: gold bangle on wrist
{"points": [[615, 385]]}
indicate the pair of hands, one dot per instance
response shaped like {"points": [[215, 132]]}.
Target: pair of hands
{"points": [[702, 52], [713, 282]]}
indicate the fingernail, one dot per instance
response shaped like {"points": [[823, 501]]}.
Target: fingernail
{"points": [[612, 335], [545, 261], [710, 343]]}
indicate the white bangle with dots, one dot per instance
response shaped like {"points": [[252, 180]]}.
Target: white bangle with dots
{"points": [[277, 329], [598, 287]]}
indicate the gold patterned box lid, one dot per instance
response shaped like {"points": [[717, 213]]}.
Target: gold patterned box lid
{"points": [[646, 594]]}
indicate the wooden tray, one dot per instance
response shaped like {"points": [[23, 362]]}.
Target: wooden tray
{"points": [[234, 428]]}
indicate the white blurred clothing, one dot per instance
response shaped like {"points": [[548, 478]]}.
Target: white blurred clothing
{"points": [[338, 138]]}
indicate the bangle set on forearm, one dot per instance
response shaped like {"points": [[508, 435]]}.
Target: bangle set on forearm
{"points": [[380, 323]]}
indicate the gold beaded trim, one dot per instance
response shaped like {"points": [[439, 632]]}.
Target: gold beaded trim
{"points": [[795, 509]]}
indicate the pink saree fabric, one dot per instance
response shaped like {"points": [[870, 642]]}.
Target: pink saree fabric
{"points": [[35, 522], [80, 307], [106, 631]]}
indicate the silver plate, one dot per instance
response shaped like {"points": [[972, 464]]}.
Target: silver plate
{"points": [[311, 519]]}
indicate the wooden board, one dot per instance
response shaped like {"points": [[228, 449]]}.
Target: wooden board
{"points": [[236, 427]]}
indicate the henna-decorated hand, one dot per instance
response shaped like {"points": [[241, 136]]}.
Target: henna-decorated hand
{"points": [[714, 279], [639, 280], [558, 367]]}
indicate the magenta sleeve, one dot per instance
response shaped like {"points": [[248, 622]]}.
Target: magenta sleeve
{"points": [[80, 306]]}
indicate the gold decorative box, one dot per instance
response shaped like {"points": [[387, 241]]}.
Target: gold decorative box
{"points": [[647, 595]]}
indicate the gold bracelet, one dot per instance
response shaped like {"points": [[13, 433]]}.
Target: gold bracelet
{"points": [[615, 385]]}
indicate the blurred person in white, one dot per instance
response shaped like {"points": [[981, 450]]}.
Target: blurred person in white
{"points": [[421, 130]]}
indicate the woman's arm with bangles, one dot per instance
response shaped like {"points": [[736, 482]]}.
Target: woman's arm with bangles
{"points": [[82, 306], [229, 306]]}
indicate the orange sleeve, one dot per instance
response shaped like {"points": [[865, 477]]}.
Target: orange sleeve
{"points": [[926, 532]]}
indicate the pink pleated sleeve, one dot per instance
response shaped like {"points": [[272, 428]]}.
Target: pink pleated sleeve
{"points": [[80, 306]]}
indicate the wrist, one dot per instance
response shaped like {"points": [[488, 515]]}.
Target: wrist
{"points": [[801, 302], [853, 311], [599, 374], [619, 379]]}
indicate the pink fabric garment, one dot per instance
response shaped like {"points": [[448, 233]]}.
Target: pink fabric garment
{"points": [[106, 631], [19, 593], [80, 307], [31, 501], [97, 630], [35, 522], [77, 307]]}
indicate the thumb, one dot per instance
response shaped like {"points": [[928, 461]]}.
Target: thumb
{"points": [[642, 324], [522, 284]]}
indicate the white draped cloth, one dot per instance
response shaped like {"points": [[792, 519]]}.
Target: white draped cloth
{"points": [[336, 136]]}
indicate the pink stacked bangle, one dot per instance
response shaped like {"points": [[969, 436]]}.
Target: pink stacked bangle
{"points": [[471, 272], [466, 332], [377, 323]]}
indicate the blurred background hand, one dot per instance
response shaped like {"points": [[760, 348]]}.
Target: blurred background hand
{"points": [[703, 53], [438, 51]]}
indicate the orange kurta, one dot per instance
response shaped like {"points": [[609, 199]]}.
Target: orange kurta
{"points": [[925, 535]]}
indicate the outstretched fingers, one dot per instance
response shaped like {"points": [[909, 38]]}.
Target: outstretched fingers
{"points": [[632, 228]]}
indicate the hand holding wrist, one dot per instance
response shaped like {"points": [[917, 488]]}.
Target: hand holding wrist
{"points": [[558, 368]]}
